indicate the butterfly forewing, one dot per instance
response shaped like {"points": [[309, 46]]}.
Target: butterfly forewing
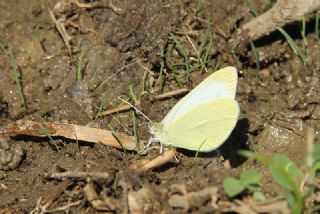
{"points": [[219, 85]]}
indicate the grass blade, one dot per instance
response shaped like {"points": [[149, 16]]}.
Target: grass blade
{"points": [[251, 7], [317, 26], [256, 58], [16, 74], [132, 94], [79, 68], [116, 135], [135, 132], [295, 48], [182, 53]]}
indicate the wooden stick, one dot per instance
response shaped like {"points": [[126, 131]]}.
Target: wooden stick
{"points": [[126, 107], [71, 131]]}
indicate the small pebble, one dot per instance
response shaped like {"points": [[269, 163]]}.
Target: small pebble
{"points": [[10, 155]]}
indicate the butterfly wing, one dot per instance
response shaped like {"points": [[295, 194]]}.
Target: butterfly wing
{"points": [[221, 84], [204, 127]]}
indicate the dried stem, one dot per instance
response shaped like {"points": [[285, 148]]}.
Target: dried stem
{"points": [[283, 12]]}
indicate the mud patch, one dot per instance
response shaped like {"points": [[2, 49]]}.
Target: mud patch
{"points": [[127, 50]]}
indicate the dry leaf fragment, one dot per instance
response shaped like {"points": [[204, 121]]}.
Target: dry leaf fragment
{"points": [[71, 131]]}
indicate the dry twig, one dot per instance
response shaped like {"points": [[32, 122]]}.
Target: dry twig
{"points": [[94, 199], [81, 175], [126, 107], [194, 199], [60, 25], [144, 165], [274, 205], [65, 207], [55, 194], [142, 201]]}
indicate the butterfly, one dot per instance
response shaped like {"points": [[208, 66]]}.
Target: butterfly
{"points": [[204, 118]]}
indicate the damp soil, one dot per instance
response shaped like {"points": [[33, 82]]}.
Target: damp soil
{"points": [[125, 47]]}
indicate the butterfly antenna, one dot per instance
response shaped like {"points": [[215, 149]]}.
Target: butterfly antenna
{"points": [[137, 110]]}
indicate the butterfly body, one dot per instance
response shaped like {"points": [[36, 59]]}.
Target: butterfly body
{"points": [[204, 118]]}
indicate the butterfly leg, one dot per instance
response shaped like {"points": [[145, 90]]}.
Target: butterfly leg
{"points": [[150, 141]]}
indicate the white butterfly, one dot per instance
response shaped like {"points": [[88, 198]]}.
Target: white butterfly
{"points": [[204, 118]]}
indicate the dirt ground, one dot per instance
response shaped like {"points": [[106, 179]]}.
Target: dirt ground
{"points": [[126, 45]]}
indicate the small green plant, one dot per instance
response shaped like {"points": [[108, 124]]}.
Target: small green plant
{"points": [[93, 80], [270, 4], [198, 151], [301, 185], [186, 54], [77, 142], [117, 136], [161, 78], [135, 132], [202, 48], [317, 26], [79, 68], [303, 34], [44, 131], [256, 58], [38, 33], [249, 180], [177, 79], [182, 52], [16, 74], [299, 51], [115, 184], [286, 174], [143, 85], [251, 7], [101, 107], [297, 182], [132, 94], [2, 48]]}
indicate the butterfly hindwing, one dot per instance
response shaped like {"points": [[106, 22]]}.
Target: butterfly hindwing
{"points": [[203, 127]]}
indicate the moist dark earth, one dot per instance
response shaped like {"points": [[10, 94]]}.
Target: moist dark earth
{"points": [[129, 46]]}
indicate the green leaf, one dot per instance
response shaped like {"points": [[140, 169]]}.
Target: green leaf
{"points": [[253, 187], [259, 157], [259, 196], [288, 175], [250, 177], [294, 204], [285, 172], [315, 168], [315, 159], [316, 153], [232, 186]]}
